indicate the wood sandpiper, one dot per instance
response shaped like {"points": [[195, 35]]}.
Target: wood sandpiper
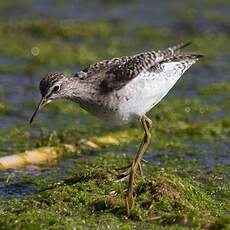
{"points": [[122, 88]]}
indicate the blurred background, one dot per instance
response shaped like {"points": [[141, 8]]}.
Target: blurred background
{"points": [[56, 35], [37, 37]]}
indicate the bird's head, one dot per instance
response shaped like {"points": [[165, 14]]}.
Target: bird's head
{"points": [[51, 88]]}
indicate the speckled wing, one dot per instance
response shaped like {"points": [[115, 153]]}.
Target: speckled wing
{"points": [[176, 65], [101, 67], [151, 85], [120, 74]]}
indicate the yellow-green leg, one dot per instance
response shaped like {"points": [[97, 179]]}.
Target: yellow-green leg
{"points": [[125, 175], [147, 125]]}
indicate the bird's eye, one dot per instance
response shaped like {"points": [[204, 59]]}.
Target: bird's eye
{"points": [[56, 88]]}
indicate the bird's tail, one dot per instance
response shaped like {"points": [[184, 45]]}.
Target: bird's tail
{"points": [[184, 57], [172, 51], [176, 49]]}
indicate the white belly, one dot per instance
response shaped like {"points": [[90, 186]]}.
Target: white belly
{"points": [[146, 90]]}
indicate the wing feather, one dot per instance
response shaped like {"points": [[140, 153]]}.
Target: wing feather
{"points": [[118, 76], [179, 64], [117, 72]]}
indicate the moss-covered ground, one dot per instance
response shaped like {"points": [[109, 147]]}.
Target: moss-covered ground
{"points": [[186, 183]]}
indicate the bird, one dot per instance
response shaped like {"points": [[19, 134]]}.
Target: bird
{"points": [[122, 88]]}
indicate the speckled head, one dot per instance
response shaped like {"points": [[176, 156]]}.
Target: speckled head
{"points": [[50, 80], [51, 88]]}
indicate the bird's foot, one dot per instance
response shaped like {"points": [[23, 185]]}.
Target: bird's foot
{"points": [[125, 174]]}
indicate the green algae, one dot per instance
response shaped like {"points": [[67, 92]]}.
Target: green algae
{"points": [[219, 89], [4, 108], [92, 198], [72, 43]]}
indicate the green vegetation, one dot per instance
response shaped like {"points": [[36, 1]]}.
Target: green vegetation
{"points": [[63, 44], [4, 108], [95, 200]]}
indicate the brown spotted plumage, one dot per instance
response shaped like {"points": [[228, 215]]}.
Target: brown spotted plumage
{"points": [[119, 71]]}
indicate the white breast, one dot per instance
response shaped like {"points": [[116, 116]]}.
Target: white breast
{"points": [[148, 88]]}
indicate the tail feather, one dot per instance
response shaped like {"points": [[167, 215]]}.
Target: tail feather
{"points": [[172, 51], [176, 49], [183, 57]]}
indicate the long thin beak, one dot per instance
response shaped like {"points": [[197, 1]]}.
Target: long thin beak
{"points": [[40, 105]]}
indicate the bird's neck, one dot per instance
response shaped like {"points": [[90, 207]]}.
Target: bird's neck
{"points": [[79, 90]]}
